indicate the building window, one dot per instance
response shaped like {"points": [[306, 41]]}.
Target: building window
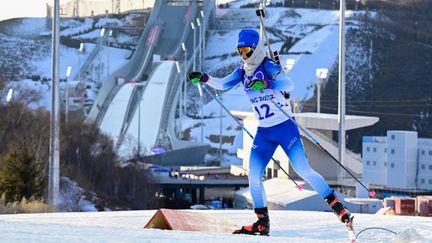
{"points": [[367, 149], [367, 162], [385, 164], [392, 151], [430, 181], [422, 181], [392, 165], [269, 173], [430, 152], [275, 173], [374, 149], [422, 152], [423, 166], [374, 163], [385, 150], [430, 167], [392, 137]]}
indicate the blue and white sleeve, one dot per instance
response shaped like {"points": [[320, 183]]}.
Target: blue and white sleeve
{"points": [[279, 79], [225, 83]]}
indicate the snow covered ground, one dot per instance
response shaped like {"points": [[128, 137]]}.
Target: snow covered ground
{"points": [[127, 226], [31, 35]]}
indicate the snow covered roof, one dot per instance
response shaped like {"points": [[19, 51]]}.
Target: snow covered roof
{"points": [[321, 121]]}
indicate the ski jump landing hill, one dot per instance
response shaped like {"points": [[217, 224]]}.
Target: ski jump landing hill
{"points": [[141, 105]]}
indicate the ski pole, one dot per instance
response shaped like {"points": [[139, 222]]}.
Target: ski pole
{"points": [[260, 13], [215, 97], [371, 193]]}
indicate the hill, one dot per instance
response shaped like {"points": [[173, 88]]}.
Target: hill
{"points": [[395, 84]]}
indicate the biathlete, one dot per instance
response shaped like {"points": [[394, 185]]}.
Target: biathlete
{"points": [[263, 80]]}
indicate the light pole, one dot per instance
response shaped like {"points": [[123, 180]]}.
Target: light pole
{"points": [[193, 48], [220, 129], [199, 87], [180, 108], [54, 165], [68, 73], [9, 95], [139, 125], [199, 43], [341, 105], [140, 88], [202, 40], [321, 74], [80, 50], [185, 78], [108, 53], [102, 33]]}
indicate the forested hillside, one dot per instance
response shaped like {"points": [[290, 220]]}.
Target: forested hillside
{"points": [[396, 84]]}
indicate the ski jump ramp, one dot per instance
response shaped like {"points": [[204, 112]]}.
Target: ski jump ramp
{"points": [[152, 97], [149, 112]]}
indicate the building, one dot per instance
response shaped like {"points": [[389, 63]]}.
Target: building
{"points": [[400, 160], [424, 179]]}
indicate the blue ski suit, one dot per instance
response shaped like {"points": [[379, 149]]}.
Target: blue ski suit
{"points": [[274, 129]]}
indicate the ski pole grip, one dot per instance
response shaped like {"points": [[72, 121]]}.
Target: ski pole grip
{"points": [[260, 12]]}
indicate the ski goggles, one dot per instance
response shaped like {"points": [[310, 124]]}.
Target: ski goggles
{"points": [[244, 49]]}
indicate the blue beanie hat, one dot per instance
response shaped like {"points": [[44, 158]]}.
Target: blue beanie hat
{"points": [[248, 37]]}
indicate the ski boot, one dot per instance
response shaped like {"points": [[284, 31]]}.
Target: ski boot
{"points": [[260, 227], [342, 213]]}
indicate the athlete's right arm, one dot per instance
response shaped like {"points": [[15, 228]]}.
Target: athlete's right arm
{"points": [[220, 83]]}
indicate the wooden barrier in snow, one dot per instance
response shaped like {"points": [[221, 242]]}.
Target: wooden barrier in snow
{"points": [[188, 221]]}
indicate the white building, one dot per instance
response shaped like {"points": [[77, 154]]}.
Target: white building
{"points": [[375, 160], [424, 179], [399, 160]]}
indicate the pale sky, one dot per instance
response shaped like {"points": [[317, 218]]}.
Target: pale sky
{"points": [[35, 8], [24, 8]]}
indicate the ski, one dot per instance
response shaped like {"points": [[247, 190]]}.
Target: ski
{"points": [[350, 228]]}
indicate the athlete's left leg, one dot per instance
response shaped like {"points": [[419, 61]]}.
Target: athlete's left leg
{"points": [[293, 146]]}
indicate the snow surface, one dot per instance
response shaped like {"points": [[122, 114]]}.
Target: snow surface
{"points": [[27, 31], [127, 226], [111, 124]]}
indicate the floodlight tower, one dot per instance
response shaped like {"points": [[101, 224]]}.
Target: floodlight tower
{"points": [[117, 6], [76, 8], [321, 74]]}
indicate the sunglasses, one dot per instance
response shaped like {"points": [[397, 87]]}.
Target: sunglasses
{"points": [[245, 50]]}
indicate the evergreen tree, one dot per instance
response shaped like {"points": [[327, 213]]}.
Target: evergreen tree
{"points": [[21, 176]]}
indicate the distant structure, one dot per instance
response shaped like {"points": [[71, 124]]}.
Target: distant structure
{"points": [[86, 8], [399, 160]]}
